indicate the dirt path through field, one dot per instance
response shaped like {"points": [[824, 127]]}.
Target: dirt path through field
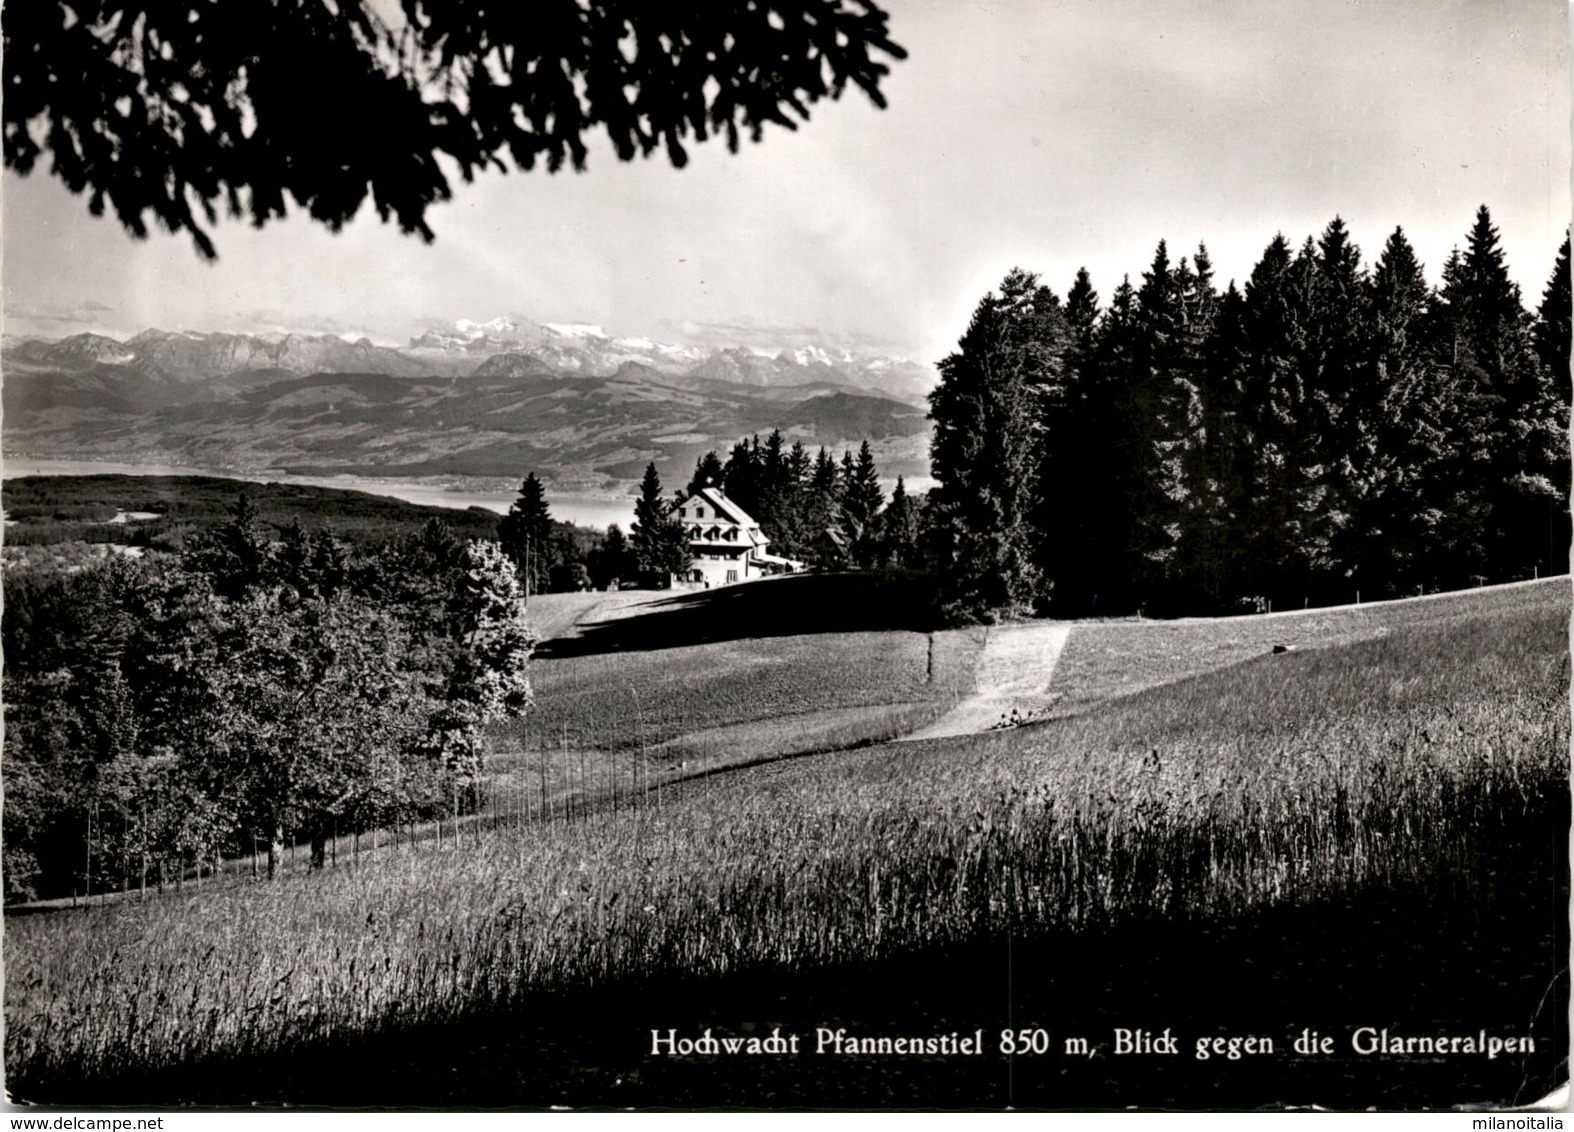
{"points": [[1014, 672]]}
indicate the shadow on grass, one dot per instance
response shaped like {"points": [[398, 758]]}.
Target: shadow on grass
{"points": [[1481, 949], [772, 607]]}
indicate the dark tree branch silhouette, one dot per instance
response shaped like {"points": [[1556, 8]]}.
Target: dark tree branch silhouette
{"points": [[176, 110]]}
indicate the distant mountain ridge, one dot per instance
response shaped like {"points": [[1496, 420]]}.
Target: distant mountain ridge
{"points": [[573, 348], [488, 400]]}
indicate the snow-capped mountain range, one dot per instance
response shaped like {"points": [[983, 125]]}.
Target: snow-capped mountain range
{"points": [[586, 348], [469, 399]]}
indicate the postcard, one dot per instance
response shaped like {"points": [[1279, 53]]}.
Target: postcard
{"points": [[793, 556]]}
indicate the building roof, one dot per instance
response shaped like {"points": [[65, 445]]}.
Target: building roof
{"points": [[718, 499], [776, 560], [725, 509]]}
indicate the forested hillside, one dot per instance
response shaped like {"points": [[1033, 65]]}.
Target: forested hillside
{"points": [[161, 512], [1324, 433], [164, 712]]}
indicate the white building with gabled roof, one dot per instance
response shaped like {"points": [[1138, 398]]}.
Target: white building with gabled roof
{"points": [[725, 544]]}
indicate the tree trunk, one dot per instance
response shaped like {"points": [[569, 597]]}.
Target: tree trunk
{"points": [[319, 847], [275, 851], [87, 867]]}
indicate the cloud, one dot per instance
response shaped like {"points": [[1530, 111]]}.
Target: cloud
{"points": [[762, 334], [273, 321], [59, 318]]}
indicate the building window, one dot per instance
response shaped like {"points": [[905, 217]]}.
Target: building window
{"points": [[699, 512], [732, 575]]}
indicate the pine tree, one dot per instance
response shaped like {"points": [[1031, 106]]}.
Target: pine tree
{"points": [[659, 543], [986, 454], [1331, 368], [797, 528], [1488, 302], [1082, 310], [312, 565], [330, 564], [844, 487], [292, 561], [526, 536], [449, 90], [650, 515], [237, 554], [1336, 332], [1553, 325], [899, 532], [1083, 519], [1509, 420], [1153, 406], [1283, 488], [708, 472], [773, 497], [1074, 502], [1539, 476], [822, 508], [1397, 430], [1218, 545], [743, 476], [1204, 394], [861, 503]]}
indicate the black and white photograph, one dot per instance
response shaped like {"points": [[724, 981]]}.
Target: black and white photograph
{"points": [[786, 555]]}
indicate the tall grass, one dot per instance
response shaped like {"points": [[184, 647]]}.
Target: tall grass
{"points": [[1285, 780]]}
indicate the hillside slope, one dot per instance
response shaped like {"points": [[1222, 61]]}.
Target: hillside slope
{"points": [[1360, 839]]}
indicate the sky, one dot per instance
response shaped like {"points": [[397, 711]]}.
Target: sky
{"points": [[1045, 134]]}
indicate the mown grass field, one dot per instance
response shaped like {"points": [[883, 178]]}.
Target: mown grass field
{"points": [[616, 718], [1365, 832], [623, 724], [1108, 659]]}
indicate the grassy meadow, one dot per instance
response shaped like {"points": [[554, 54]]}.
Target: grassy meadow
{"points": [[620, 714], [1388, 814], [613, 726], [1108, 659]]}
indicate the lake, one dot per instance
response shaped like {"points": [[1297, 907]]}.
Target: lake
{"points": [[582, 510]]}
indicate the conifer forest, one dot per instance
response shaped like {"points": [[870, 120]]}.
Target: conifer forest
{"points": [[1326, 432]]}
